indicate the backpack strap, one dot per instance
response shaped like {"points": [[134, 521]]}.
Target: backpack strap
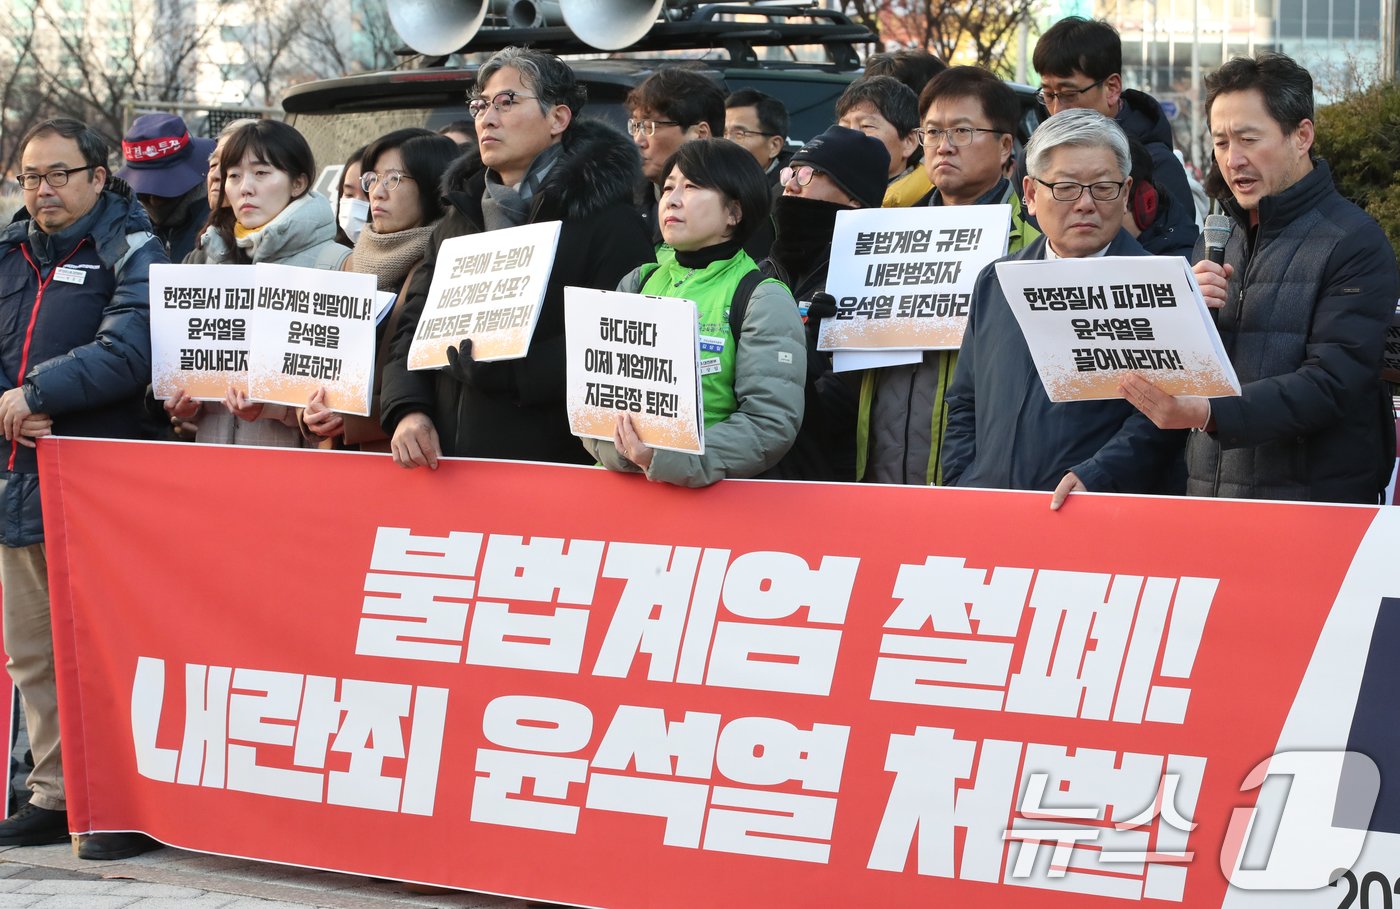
{"points": [[739, 303]]}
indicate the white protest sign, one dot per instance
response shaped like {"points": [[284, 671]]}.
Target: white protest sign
{"points": [[629, 353], [1390, 365], [902, 277], [201, 317], [313, 329], [487, 287], [1089, 321]]}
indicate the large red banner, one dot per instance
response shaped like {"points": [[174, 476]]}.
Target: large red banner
{"points": [[583, 687]]}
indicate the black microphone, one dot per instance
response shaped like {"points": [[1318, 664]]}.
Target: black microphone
{"points": [[1217, 234]]}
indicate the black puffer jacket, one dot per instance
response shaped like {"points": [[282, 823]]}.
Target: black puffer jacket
{"points": [[517, 410], [1304, 325], [1175, 231], [80, 348]]}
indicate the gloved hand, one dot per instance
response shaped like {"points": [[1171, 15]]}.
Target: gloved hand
{"points": [[482, 376]]}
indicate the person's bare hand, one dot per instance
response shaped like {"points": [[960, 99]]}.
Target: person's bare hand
{"points": [[629, 444], [319, 418], [415, 442]]}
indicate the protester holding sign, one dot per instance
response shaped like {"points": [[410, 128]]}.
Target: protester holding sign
{"points": [[968, 119], [400, 172], [1314, 420], [536, 162], [272, 216], [1003, 430], [714, 196]]}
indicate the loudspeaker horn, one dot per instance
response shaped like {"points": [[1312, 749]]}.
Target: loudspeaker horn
{"points": [[437, 27], [610, 24]]}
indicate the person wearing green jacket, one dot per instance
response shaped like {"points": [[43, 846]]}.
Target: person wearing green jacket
{"points": [[713, 197], [968, 120]]}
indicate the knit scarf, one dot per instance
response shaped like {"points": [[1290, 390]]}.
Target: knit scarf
{"points": [[509, 206], [389, 256]]}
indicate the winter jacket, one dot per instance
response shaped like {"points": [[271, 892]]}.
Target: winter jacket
{"points": [[181, 231], [81, 351], [516, 408], [1004, 432], [1304, 325], [301, 234], [903, 415], [770, 369]]}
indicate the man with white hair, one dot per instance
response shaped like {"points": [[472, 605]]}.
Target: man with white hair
{"points": [[1003, 430]]}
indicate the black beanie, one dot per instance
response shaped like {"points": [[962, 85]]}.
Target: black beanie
{"points": [[857, 163]]}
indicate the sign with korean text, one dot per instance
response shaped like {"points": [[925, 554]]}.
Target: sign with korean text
{"points": [[635, 354], [313, 329], [488, 287], [1088, 322], [1390, 368], [955, 697], [201, 318], [902, 277]]}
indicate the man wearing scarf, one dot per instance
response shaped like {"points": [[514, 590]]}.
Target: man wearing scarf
{"points": [[535, 162]]}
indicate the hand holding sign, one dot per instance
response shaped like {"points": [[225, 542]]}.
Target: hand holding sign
{"points": [[320, 419], [629, 444], [1162, 408]]}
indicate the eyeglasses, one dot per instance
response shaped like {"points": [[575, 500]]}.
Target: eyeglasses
{"points": [[391, 180], [742, 133], [54, 178], [1065, 95], [647, 127], [803, 174], [503, 102], [958, 136], [1105, 191]]}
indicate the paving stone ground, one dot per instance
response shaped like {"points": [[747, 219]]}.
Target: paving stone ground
{"points": [[53, 877]]}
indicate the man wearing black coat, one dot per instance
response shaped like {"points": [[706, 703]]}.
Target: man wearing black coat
{"points": [[1304, 297], [534, 162]]}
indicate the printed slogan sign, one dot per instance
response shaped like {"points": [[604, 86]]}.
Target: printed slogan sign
{"points": [[903, 277], [957, 697], [1090, 321], [314, 329], [1390, 369], [279, 332], [629, 353], [488, 287], [200, 324]]}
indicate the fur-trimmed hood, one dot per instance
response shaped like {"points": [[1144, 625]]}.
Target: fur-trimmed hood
{"points": [[599, 167]]}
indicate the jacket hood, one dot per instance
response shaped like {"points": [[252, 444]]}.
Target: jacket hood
{"points": [[1142, 117], [599, 167], [306, 223], [117, 213]]}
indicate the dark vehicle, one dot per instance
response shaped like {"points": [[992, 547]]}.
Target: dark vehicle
{"points": [[800, 53]]}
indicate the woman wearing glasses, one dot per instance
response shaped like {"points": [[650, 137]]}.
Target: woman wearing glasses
{"points": [[713, 197], [267, 212], [400, 173]]}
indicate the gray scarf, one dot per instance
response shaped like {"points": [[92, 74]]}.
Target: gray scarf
{"points": [[509, 206]]}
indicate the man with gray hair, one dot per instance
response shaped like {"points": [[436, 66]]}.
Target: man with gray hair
{"points": [[535, 161], [1004, 432]]}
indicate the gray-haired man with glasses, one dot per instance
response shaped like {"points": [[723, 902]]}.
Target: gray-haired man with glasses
{"points": [[535, 161], [1003, 430]]}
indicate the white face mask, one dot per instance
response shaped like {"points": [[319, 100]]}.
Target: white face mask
{"points": [[353, 215]]}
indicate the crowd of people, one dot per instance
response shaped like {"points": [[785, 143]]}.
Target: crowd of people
{"points": [[703, 199]]}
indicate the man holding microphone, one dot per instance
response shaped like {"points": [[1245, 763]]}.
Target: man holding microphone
{"points": [[1303, 298]]}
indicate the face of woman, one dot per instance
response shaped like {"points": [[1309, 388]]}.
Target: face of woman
{"points": [[393, 210], [693, 217], [258, 192]]}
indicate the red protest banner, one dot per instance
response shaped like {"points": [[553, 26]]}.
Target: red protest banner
{"points": [[578, 686]]}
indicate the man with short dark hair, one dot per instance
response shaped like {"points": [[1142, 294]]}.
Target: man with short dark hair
{"points": [[1080, 63], [76, 365], [1307, 289], [883, 107], [969, 122], [759, 123], [1004, 432], [915, 67], [670, 107], [535, 161]]}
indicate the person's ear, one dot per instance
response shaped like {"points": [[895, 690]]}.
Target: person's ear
{"points": [[1028, 188], [559, 119], [1113, 90], [1303, 137], [300, 184], [775, 146], [700, 130], [1007, 144]]}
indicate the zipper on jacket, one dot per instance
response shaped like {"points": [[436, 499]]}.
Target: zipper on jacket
{"points": [[33, 320]]}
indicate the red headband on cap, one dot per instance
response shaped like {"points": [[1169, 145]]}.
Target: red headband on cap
{"points": [[154, 149]]}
